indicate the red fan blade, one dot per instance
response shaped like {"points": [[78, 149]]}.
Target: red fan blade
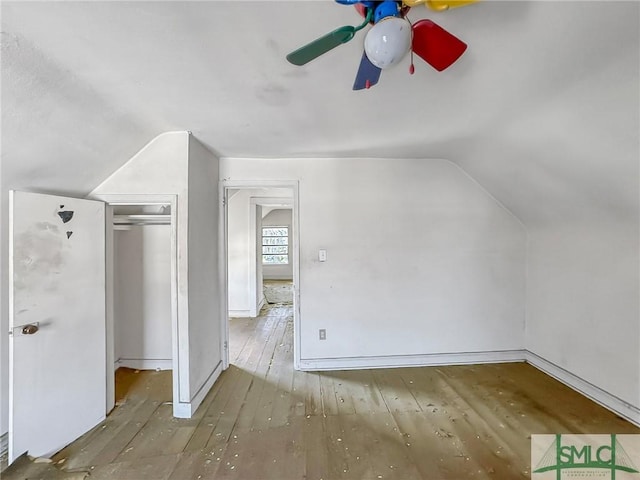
{"points": [[362, 10], [435, 45]]}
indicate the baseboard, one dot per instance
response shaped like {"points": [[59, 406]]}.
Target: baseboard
{"points": [[145, 364], [186, 410], [248, 313], [424, 360], [598, 395]]}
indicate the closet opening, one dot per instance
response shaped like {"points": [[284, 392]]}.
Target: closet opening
{"points": [[141, 288]]}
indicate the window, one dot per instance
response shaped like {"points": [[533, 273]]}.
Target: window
{"points": [[275, 245]]}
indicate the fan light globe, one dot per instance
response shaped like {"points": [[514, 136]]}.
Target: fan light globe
{"points": [[388, 41]]}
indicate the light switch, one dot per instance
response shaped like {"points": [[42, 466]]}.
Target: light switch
{"points": [[322, 255]]}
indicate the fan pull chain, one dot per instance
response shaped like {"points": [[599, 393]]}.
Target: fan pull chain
{"points": [[412, 68]]}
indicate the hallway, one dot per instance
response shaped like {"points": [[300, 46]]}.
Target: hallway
{"points": [[263, 420]]}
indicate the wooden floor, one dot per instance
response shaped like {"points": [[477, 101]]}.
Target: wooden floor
{"points": [[263, 420], [278, 291]]}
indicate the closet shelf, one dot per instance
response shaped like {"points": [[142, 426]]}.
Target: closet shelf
{"points": [[147, 219]]}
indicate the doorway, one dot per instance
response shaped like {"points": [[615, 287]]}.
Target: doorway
{"points": [[245, 206], [141, 288], [275, 260]]}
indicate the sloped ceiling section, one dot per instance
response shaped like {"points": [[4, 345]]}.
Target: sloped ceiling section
{"points": [[542, 109], [59, 133]]}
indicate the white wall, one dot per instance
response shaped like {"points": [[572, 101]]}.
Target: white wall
{"points": [[421, 260], [205, 290], [176, 163], [241, 256], [282, 218], [161, 167], [142, 296], [238, 254], [4, 310], [583, 306]]}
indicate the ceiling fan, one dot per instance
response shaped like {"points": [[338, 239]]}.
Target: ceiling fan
{"points": [[390, 38]]}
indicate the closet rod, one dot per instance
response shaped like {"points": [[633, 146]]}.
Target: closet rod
{"points": [[142, 219]]}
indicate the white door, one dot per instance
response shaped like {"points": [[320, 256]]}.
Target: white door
{"points": [[57, 345]]}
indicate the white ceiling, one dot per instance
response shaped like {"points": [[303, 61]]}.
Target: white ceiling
{"points": [[542, 109]]}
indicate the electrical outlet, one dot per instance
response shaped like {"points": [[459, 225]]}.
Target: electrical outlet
{"points": [[323, 334]]}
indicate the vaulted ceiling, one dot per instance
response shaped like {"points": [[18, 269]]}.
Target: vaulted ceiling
{"points": [[543, 108]]}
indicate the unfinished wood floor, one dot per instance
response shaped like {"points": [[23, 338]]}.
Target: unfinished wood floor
{"points": [[263, 420]]}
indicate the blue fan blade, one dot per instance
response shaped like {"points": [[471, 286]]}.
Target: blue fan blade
{"points": [[366, 3], [368, 74]]}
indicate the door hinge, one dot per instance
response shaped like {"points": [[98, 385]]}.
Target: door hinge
{"points": [[224, 201], [226, 345]]}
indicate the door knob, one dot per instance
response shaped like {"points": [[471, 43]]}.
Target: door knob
{"points": [[29, 329], [25, 329]]}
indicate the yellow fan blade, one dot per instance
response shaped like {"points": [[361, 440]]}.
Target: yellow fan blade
{"points": [[413, 3], [441, 5]]}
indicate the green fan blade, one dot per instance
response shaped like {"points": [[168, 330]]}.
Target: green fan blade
{"points": [[325, 43], [321, 46]]}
